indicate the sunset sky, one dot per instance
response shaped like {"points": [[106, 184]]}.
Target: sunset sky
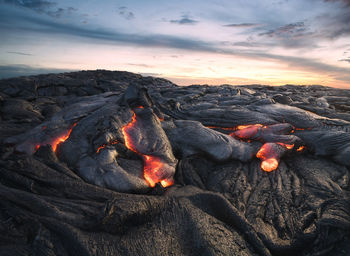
{"points": [[271, 42]]}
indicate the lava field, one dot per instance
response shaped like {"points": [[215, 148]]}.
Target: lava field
{"points": [[113, 163]]}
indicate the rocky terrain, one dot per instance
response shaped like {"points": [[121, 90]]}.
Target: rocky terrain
{"points": [[113, 163]]}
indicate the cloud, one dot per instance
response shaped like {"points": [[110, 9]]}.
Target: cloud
{"points": [[185, 20], [347, 60], [36, 5], [25, 23], [139, 65], [61, 12], [292, 35], [125, 13], [346, 2], [242, 25], [335, 24], [41, 6], [8, 71], [21, 53], [292, 29]]}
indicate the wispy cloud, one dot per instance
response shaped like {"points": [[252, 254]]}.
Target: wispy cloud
{"points": [[36, 5], [289, 30], [346, 60], [21, 53], [142, 65], [184, 20], [41, 6], [346, 2], [26, 23], [242, 25], [125, 13], [292, 35]]}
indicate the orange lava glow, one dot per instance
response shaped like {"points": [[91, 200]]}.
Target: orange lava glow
{"points": [[268, 156], [126, 129], [58, 140], [269, 165], [301, 148], [268, 153], [246, 131], [223, 128], [241, 127], [287, 146], [105, 145], [152, 171], [61, 139], [152, 165]]}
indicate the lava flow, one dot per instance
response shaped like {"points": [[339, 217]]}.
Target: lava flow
{"points": [[269, 153], [246, 131], [152, 165], [58, 140]]}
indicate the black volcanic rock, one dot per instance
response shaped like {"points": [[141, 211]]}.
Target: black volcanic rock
{"points": [[72, 177]]}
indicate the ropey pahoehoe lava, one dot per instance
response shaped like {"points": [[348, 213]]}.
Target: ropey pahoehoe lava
{"points": [[120, 164]]}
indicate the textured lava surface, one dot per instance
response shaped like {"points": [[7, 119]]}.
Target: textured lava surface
{"points": [[76, 150]]}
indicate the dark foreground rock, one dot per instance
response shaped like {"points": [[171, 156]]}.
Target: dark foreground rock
{"points": [[75, 148]]}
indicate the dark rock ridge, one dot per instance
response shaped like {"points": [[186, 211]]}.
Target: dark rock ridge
{"points": [[87, 158]]}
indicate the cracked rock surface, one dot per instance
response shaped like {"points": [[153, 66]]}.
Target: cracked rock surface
{"points": [[75, 147]]}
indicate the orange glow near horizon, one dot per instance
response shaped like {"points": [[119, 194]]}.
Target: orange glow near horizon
{"points": [[187, 67]]}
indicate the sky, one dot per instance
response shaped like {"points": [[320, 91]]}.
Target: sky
{"points": [[272, 42]]}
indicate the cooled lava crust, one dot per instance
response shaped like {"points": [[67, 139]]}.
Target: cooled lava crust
{"points": [[113, 163]]}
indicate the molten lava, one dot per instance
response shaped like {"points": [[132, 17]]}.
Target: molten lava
{"points": [[152, 165], [301, 148], [58, 140], [269, 164], [270, 153], [246, 131], [152, 171], [61, 139], [105, 145]]}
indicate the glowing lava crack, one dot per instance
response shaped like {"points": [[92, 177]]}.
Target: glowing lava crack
{"points": [[57, 140], [153, 165]]}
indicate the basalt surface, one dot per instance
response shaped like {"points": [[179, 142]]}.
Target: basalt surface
{"points": [[113, 163]]}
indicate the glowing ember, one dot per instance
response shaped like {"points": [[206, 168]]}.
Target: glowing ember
{"points": [[152, 169]]}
